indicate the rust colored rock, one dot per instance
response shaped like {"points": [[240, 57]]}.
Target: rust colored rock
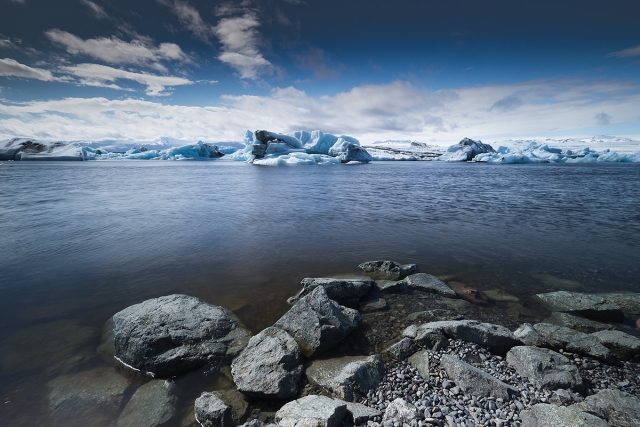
{"points": [[468, 293]]}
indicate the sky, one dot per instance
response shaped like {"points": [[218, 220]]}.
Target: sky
{"points": [[433, 71]]}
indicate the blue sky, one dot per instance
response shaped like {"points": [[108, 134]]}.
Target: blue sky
{"points": [[432, 71]]}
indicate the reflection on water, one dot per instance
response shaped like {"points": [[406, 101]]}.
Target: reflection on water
{"points": [[82, 241]]}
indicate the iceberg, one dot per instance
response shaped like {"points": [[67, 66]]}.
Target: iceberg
{"points": [[465, 150], [541, 153]]}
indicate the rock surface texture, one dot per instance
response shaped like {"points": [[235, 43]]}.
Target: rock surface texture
{"points": [[578, 323], [312, 411], [618, 408], [346, 292], [574, 341], [317, 323], [212, 412], [622, 345], [545, 368], [475, 382], [545, 415], [586, 305], [348, 378], [174, 334], [529, 336], [153, 404], [403, 349], [270, 365], [387, 270], [402, 411], [428, 283]]}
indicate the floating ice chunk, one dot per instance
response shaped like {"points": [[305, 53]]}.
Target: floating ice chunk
{"points": [[347, 151], [465, 150], [296, 158], [319, 142]]}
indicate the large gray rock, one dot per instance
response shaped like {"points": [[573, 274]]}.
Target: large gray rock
{"points": [[496, 338], [628, 301], [529, 336], [431, 339], [401, 411], [270, 365], [420, 361], [152, 404], [390, 286], [403, 348], [348, 378], [174, 334], [574, 341], [578, 323], [317, 323], [361, 413], [545, 415], [545, 368], [212, 412], [620, 409], [473, 381], [94, 396], [346, 292], [312, 411], [429, 283], [586, 305], [387, 270], [622, 345]]}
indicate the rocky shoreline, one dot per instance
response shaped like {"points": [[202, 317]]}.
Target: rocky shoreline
{"points": [[356, 352]]}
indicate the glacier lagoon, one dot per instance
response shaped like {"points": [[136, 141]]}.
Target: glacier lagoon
{"points": [[81, 241]]}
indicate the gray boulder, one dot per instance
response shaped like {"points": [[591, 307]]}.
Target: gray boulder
{"points": [[317, 323], [360, 413], [496, 338], [622, 345], [154, 403], [420, 361], [390, 286], [529, 336], [578, 323], [403, 348], [434, 315], [428, 283], [545, 368], [574, 341], [212, 412], [235, 400], [628, 301], [545, 415], [269, 366], [312, 411], [94, 395], [401, 411], [475, 382], [620, 409], [174, 334], [586, 305], [387, 270], [348, 378], [431, 339], [346, 292]]}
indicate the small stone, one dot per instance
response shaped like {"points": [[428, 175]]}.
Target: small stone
{"points": [[312, 411], [210, 411], [429, 283], [403, 349]]}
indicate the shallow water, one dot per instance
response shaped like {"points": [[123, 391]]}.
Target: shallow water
{"points": [[81, 241]]}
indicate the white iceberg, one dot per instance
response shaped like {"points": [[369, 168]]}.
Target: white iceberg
{"points": [[465, 150], [536, 152]]}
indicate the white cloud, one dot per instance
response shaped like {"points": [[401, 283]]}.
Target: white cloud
{"points": [[98, 11], [12, 68], [632, 51], [103, 76], [116, 51], [240, 41], [190, 18], [398, 110]]}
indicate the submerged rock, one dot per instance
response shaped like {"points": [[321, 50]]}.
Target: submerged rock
{"points": [[348, 378], [312, 411], [212, 412], [269, 366], [346, 292], [387, 270], [545, 415], [622, 345], [500, 295], [372, 304], [434, 315], [174, 334], [317, 323], [153, 404], [474, 381], [429, 283], [586, 305], [578, 323], [545, 368], [574, 341], [468, 293]]}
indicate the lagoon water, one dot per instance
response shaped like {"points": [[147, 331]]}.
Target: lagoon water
{"points": [[81, 241]]}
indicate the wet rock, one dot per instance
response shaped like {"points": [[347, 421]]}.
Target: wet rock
{"points": [[210, 411], [401, 411], [44, 345], [529, 336], [500, 295], [387, 270], [494, 337], [152, 404], [428, 283], [586, 305], [270, 365], [545, 368], [312, 411], [347, 292], [574, 341], [628, 301], [475, 382], [468, 293], [174, 334], [390, 286], [234, 400], [545, 415], [622, 345], [93, 396], [420, 361], [620, 409], [427, 337], [318, 323], [348, 378], [578, 323], [361, 413], [373, 304], [403, 349], [434, 315]]}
